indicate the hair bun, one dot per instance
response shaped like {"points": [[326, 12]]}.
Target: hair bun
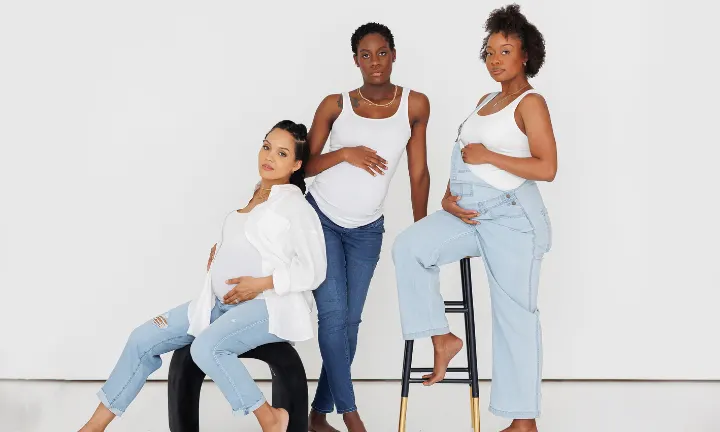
{"points": [[301, 130]]}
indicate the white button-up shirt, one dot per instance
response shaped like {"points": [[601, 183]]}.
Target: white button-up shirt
{"points": [[287, 233]]}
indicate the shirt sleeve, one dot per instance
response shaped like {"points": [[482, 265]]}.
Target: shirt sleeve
{"points": [[308, 264]]}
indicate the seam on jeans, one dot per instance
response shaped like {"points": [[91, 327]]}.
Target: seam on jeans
{"points": [[436, 254], [140, 362], [533, 263], [538, 377], [436, 251], [215, 357]]}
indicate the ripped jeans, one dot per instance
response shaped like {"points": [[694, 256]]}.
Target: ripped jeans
{"points": [[235, 329]]}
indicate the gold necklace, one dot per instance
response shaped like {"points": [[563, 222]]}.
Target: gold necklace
{"points": [[262, 197], [379, 105], [515, 92]]}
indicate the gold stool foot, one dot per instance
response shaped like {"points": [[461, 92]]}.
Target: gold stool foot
{"points": [[403, 414], [476, 414]]}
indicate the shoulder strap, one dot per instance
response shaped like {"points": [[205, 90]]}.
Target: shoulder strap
{"points": [[518, 99], [482, 103], [405, 102], [346, 102]]}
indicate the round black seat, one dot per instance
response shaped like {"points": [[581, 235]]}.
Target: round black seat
{"points": [[289, 386]]}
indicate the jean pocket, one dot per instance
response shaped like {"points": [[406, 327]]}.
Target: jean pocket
{"points": [[510, 215], [457, 164], [461, 189]]}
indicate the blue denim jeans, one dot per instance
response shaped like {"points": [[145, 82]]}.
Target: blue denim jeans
{"points": [[235, 329], [352, 254], [512, 237]]}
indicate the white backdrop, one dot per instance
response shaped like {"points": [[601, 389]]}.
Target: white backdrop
{"points": [[129, 129]]}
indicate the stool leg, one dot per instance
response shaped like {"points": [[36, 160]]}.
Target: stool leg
{"points": [[471, 342], [407, 365], [467, 339]]}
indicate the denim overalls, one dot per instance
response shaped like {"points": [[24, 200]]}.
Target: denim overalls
{"points": [[512, 236]]}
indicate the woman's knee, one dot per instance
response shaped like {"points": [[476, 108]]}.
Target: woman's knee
{"points": [[404, 244], [333, 317], [202, 351]]}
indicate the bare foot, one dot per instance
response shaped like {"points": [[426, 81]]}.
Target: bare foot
{"points": [[522, 426], [445, 347], [318, 423], [353, 422], [282, 419]]}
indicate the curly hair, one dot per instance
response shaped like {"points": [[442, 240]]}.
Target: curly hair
{"points": [[509, 20], [371, 28]]}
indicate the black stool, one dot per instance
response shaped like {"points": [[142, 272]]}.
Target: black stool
{"points": [[464, 307], [289, 386]]}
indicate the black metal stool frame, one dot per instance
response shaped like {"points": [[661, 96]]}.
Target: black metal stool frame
{"points": [[464, 307]]}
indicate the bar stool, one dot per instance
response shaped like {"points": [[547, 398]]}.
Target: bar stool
{"points": [[464, 307]]}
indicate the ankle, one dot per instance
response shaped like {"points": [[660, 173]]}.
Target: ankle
{"points": [[524, 425], [441, 339], [352, 418]]}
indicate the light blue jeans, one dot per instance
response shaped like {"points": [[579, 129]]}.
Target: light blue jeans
{"points": [[512, 237], [235, 329]]}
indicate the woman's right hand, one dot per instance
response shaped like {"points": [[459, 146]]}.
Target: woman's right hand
{"points": [[450, 205], [212, 255], [365, 158]]}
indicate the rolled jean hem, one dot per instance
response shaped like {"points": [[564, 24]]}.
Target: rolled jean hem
{"points": [[345, 411], [104, 399], [515, 415], [321, 411], [426, 333], [240, 412]]}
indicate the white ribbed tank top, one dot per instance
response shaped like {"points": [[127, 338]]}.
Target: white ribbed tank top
{"points": [[500, 134], [348, 195]]}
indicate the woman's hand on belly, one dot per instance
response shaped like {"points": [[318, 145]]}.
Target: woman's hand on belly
{"points": [[365, 158], [450, 205], [475, 154], [246, 288]]}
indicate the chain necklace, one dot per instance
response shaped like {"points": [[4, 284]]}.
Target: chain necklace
{"points": [[260, 197], [511, 94], [379, 105]]}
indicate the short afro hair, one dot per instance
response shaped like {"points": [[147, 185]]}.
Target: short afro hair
{"points": [[371, 28], [509, 20]]}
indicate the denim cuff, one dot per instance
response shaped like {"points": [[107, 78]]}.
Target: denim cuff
{"points": [[245, 411], [426, 333], [103, 398], [321, 411], [515, 415]]}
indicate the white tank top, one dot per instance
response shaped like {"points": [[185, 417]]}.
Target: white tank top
{"points": [[500, 134], [348, 195], [235, 256]]}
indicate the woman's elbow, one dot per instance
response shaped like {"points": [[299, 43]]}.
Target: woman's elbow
{"points": [[549, 173]]}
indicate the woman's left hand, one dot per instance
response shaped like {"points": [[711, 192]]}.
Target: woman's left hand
{"points": [[475, 154], [246, 288]]}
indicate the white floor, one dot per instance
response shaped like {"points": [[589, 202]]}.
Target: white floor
{"points": [[52, 406]]}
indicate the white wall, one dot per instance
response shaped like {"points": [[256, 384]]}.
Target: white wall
{"points": [[129, 129]]}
